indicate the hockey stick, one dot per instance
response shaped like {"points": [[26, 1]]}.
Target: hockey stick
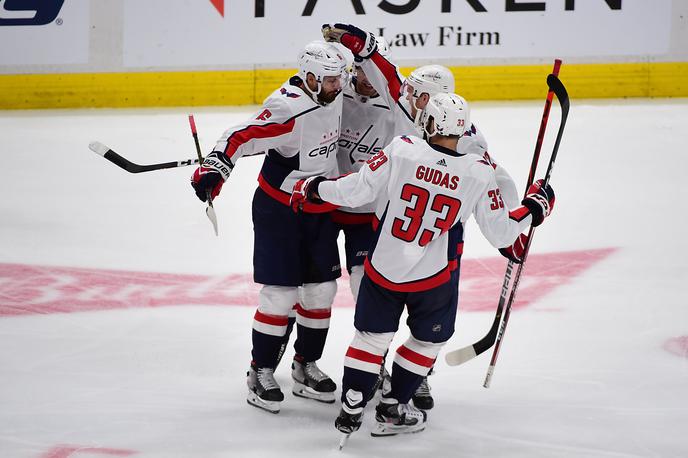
{"points": [[131, 167], [209, 210], [559, 90], [460, 356]]}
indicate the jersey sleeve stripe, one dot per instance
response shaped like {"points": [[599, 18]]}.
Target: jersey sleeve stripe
{"points": [[519, 214], [251, 132], [389, 71]]}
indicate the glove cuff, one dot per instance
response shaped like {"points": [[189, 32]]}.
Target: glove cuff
{"points": [[217, 161], [312, 190], [535, 208]]}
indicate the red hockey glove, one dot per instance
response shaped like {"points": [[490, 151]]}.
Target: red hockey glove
{"points": [[305, 190], [210, 176], [517, 250], [361, 43], [540, 201]]}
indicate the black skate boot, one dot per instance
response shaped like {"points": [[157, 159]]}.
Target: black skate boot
{"points": [[394, 418], [310, 382], [263, 390], [351, 415], [422, 398]]}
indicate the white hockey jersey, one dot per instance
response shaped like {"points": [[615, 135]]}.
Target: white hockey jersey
{"points": [[388, 81], [367, 127], [424, 195], [298, 135]]}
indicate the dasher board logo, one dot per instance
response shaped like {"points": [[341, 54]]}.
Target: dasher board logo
{"points": [[29, 12]]}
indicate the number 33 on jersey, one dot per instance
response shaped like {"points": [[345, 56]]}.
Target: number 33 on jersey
{"points": [[424, 194]]}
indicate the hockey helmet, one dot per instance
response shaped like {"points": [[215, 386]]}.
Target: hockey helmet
{"points": [[321, 59], [431, 79], [450, 113]]}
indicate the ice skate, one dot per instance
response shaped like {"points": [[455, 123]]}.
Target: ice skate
{"points": [[263, 390], [350, 416], [422, 399], [394, 418], [310, 382]]}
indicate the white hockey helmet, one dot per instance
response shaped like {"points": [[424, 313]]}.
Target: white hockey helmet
{"points": [[321, 59], [450, 113], [431, 79]]}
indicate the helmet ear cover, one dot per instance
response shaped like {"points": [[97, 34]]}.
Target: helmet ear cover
{"points": [[450, 115]]}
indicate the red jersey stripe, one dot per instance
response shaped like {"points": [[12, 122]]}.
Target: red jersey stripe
{"points": [[438, 279], [283, 198], [390, 74], [248, 133], [341, 217], [414, 357], [363, 355], [519, 213]]}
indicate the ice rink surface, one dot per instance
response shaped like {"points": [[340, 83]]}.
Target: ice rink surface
{"points": [[125, 324]]}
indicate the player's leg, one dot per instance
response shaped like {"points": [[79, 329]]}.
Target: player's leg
{"points": [[357, 239], [319, 269], [376, 320], [290, 328], [269, 327], [275, 256], [313, 322], [431, 321]]}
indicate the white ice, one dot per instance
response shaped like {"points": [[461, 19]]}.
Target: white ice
{"points": [[583, 372]]}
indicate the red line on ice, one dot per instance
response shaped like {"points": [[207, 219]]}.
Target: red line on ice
{"points": [[677, 345], [66, 451], [34, 290]]}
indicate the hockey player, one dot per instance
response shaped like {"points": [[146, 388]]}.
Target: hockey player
{"points": [[425, 191], [407, 98], [367, 126], [295, 256]]}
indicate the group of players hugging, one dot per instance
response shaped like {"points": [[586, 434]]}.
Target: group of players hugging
{"points": [[397, 166]]}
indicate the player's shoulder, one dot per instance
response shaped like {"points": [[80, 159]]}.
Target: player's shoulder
{"points": [[403, 140], [289, 99], [480, 167]]}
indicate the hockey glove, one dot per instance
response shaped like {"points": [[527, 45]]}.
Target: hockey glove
{"points": [[540, 201], [516, 251], [361, 43], [305, 190], [210, 176]]}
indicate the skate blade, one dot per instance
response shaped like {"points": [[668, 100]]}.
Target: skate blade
{"points": [[383, 429], [343, 440], [269, 406], [304, 391]]}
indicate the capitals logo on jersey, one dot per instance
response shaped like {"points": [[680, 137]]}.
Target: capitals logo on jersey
{"points": [[292, 95], [487, 160], [360, 146]]}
